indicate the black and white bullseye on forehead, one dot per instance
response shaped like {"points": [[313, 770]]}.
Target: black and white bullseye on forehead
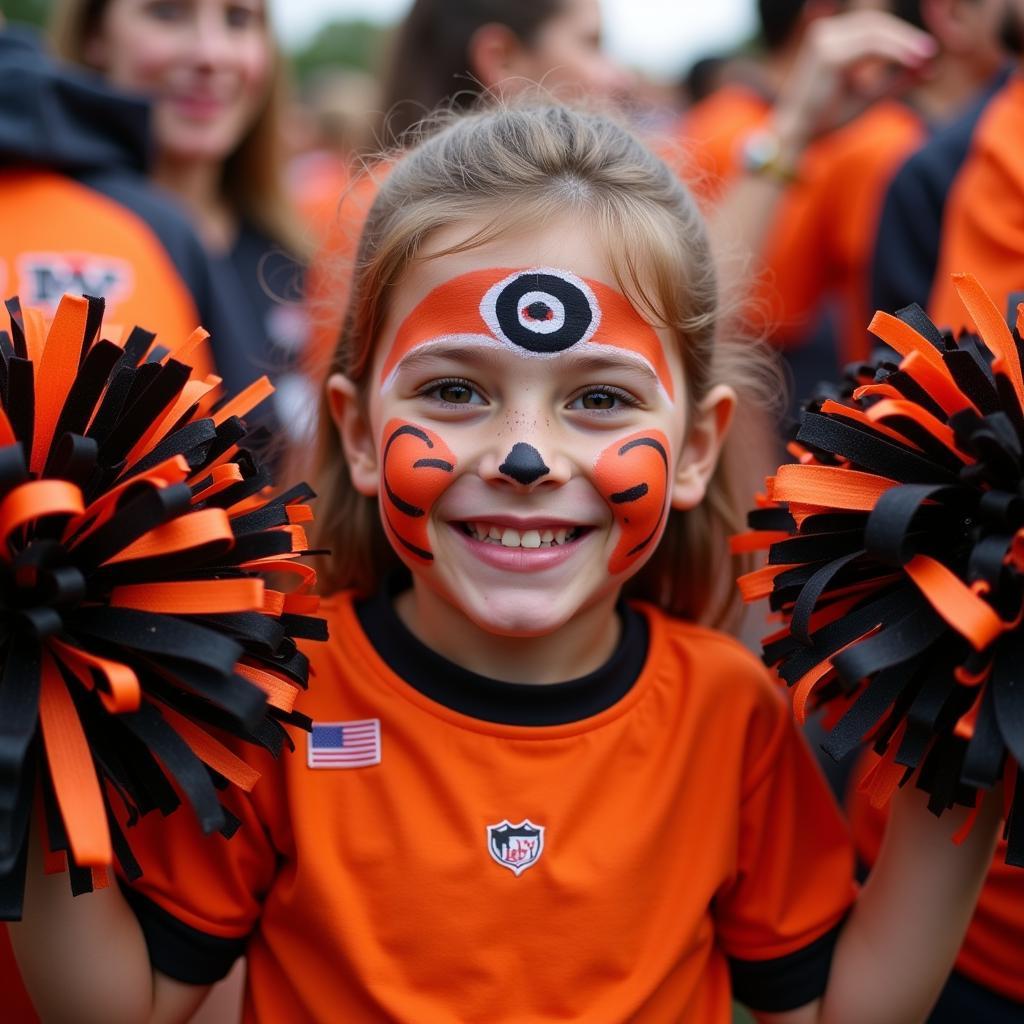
{"points": [[541, 310]]}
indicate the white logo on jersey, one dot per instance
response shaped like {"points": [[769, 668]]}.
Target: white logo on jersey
{"points": [[43, 277], [516, 847]]}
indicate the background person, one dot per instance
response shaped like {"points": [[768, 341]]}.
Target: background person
{"points": [[211, 71]]}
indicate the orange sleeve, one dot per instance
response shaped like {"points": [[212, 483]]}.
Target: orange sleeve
{"points": [[792, 883], [982, 226], [200, 896]]}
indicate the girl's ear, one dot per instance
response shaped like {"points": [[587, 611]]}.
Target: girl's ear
{"points": [[355, 433], [697, 460]]}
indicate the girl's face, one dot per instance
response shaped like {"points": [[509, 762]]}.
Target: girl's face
{"points": [[205, 63], [527, 430]]}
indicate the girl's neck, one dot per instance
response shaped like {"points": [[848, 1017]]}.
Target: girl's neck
{"points": [[568, 653], [197, 185]]}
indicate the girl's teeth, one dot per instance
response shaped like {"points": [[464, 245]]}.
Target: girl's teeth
{"points": [[510, 538]]}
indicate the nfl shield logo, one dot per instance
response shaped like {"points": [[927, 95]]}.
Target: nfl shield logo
{"points": [[515, 847]]}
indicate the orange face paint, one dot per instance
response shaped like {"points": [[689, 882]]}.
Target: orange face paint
{"points": [[632, 476], [536, 312], [416, 467]]}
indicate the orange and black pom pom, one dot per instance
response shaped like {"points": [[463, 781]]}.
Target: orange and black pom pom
{"points": [[896, 559], [138, 626]]}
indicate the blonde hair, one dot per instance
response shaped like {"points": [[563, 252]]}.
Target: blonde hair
{"points": [[252, 178], [511, 163]]}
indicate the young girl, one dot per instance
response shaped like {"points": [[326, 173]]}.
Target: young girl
{"points": [[524, 798]]}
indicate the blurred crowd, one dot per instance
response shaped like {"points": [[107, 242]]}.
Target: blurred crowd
{"points": [[850, 157]]}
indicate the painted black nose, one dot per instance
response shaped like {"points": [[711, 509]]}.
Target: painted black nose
{"points": [[523, 464]]}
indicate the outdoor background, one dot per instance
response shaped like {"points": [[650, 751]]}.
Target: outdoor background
{"points": [[651, 36]]}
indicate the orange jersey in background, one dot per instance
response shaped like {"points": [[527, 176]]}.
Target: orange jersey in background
{"points": [[983, 222], [616, 867], [60, 236], [329, 277]]}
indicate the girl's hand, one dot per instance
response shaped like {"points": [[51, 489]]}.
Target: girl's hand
{"points": [[845, 64]]}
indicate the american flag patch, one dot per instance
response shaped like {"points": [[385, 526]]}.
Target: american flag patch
{"points": [[344, 744]]}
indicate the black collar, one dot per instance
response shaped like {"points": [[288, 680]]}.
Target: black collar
{"points": [[493, 700]]}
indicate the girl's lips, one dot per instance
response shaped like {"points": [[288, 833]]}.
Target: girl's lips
{"points": [[519, 559]]}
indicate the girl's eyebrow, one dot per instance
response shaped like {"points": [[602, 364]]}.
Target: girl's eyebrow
{"points": [[474, 354], [487, 352]]}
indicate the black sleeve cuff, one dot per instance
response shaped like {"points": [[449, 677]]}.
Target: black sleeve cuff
{"points": [[180, 951], [785, 982]]}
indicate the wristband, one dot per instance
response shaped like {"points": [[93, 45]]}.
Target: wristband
{"points": [[761, 155]]}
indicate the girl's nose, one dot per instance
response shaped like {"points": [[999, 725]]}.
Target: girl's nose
{"points": [[525, 466]]}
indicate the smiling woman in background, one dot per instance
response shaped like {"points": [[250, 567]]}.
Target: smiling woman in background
{"points": [[216, 82]]}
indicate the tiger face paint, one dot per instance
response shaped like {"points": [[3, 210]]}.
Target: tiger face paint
{"points": [[537, 313], [632, 475], [416, 466]]}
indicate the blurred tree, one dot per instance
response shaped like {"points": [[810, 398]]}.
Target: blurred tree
{"points": [[354, 44], [35, 12]]}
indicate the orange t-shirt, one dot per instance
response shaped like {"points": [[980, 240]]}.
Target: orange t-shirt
{"points": [[60, 236], [983, 222], [992, 953], [615, 867]]}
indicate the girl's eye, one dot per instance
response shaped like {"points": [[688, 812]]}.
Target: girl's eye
{"points": [[455, 392], [602, 400]]}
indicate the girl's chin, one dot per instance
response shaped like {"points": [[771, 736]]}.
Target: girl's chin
{"points": [[520, 611]]}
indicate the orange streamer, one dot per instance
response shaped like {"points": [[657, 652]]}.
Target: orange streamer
{"points": [[192, 597], [974, 619], [191, 531], [55, 372], [36, 499], [830, 487], [124, 691], [71, 769]]}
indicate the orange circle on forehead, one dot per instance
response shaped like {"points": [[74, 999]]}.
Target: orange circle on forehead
{"points": [[453, 309]]}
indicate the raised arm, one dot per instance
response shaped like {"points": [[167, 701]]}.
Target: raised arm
{"points": [[898, 945], [84, 960], [845, 63]]}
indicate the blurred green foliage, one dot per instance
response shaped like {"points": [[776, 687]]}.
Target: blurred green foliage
{"points": [[356, 44], [33, 12]]}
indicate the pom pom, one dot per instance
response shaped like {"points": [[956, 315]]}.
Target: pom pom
{"points": [[139, 545], [896, 559]]}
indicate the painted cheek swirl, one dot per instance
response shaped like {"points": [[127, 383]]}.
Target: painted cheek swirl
{"points": [[632, 476], [417, 466]]}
